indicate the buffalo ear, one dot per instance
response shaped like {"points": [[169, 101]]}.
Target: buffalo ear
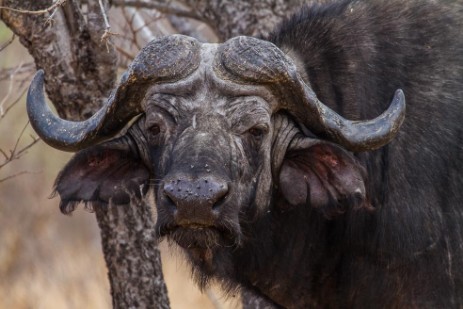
{"points": [[110, 171], [324, 176]]}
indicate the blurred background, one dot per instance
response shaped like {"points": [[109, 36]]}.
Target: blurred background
{"points": [[49, 260]]}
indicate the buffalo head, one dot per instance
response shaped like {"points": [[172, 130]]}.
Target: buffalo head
{"points": [[222, 131]]}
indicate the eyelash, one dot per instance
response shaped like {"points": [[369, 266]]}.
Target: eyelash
{"points": [[256, 133], [154, 130]]}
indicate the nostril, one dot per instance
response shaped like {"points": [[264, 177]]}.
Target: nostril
{"points": [[170, 196], [169, 202], [218, 192], [219, 202]]}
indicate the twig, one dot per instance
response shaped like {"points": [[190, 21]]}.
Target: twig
{"points": [[105, 17], [50, 18], [161, 7], [13, 104], [5, 73], [107, 32], [125, 53], [140, 24], [15, 153], [4, 154], [185, 26], [16, 175], [24, 150], [38, 12], [155, 18], [8, 43], [10, 89], [130, 23]]}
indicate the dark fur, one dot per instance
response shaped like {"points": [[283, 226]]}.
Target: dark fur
{"points": [[406, 249], [404, 254]]}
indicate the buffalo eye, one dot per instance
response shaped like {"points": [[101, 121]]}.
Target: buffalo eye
{"points": [[257, 133], [154, 130]]}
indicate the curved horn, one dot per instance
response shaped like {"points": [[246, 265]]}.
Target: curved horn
{"points": [[356, 136], [166, 59], [63, 134], [250, 60]]}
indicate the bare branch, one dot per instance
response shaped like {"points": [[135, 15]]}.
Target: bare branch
{"points": [[7, 109], [50, 9], [129, 18], [199, 30], [125, 53], [105, 17], [166, 8], [139, 25], [10, 89], [26, 68], [24, 150], [156, 16], [8, 43], [16, 175], [52, 15], [4, 154], [15, 153], [107, 32]]}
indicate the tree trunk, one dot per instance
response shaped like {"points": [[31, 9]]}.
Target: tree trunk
{"points": [[132, 256], [80, 73]]}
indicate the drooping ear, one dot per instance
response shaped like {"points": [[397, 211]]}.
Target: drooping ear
{"points": [[110, 171], [324, 176]]}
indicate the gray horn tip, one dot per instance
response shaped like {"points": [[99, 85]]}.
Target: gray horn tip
{"points": [[399, 97], [398, 103], [373, 134], [36, 84]]}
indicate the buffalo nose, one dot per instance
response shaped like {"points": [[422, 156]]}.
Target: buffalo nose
{"points": [[195, 197]]}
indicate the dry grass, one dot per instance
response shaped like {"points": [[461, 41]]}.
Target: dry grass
{"points": [[48, 260]]}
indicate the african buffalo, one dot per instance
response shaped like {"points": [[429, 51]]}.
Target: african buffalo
{"points": [[288, 164]]}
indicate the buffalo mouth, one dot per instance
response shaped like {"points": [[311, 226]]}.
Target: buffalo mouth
{"points": [[197, 236]]}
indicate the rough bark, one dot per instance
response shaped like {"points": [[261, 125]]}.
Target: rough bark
{"points": [[80, 69], [227, 18], [231, 18], [132, 256]]}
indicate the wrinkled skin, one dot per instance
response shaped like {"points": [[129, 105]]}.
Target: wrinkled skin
{"points": [[210, 160], [264, 194]]}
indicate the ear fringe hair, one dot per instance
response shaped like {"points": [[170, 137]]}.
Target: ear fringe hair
{"points": [[68, 207], [349, 203]]}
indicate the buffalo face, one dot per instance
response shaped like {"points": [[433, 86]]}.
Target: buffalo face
{"points": [[210, 158]]}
